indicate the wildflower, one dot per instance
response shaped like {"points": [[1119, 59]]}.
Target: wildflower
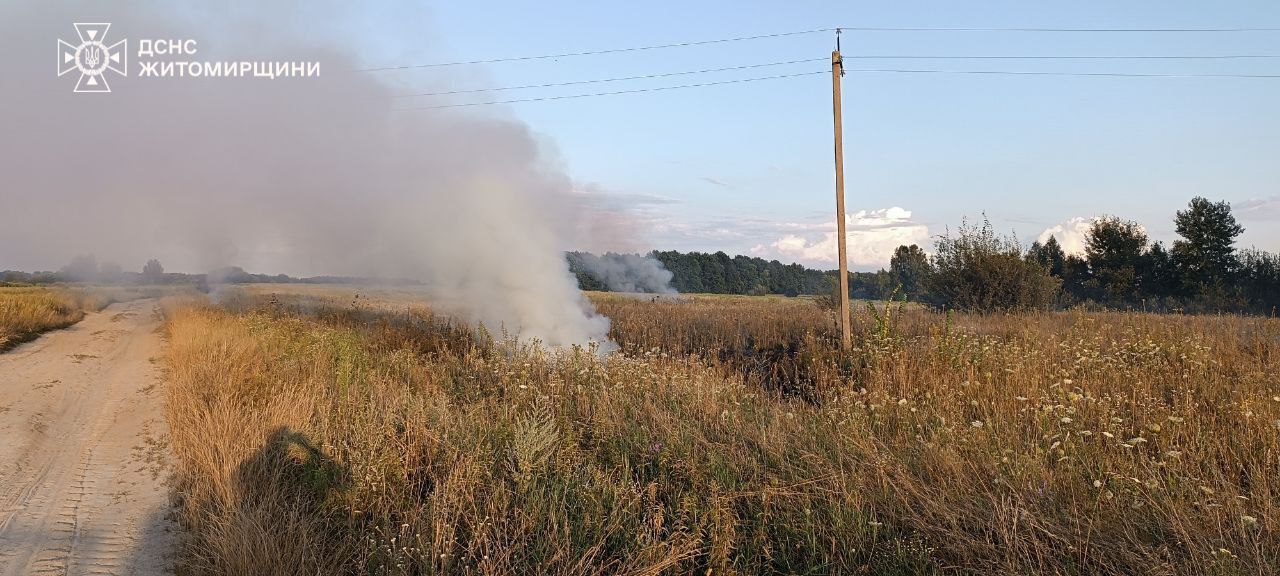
{"points": [[790, 415], [1021, 398], [1249, 521], [976, 423], [1068, 382], [1066, 420], [1097, 483], [1108, 434], [1135, 440], [1153, 427], [902, 402], [1173, 454]]}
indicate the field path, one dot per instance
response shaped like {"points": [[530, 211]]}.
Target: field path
{"points": [[81, 449]]}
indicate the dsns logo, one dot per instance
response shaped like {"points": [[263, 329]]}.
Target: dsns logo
{"points": [[93, 57]]}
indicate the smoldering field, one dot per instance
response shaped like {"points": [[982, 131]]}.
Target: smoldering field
{"points": [[304, 176], [340, 430]]}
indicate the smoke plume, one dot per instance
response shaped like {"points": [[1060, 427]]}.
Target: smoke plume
{"points": [[302, 176], [628, 272]]}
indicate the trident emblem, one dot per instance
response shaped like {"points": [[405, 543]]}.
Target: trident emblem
{"points": [[93, 58]]}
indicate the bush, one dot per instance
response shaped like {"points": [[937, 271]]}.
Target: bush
{"points": [[978, 270]]}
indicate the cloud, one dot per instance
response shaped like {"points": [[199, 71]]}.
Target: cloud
{"points": [[872, 236], [1071, 235], [1258, 208], [719, 183]]}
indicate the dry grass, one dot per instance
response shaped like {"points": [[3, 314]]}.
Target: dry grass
{"points": [[25, 312], [729, 438]]}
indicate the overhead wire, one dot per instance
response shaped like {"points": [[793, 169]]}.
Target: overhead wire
{"points": [[1049, 73], [617, 79], [1071, 57], [616, 92], [1028, 29], [806, 32], [848, 57], [597, 52]]}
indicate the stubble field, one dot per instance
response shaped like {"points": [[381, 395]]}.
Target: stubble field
{"points": [[314, 431]]}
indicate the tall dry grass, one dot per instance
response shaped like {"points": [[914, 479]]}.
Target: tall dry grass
{"points": [[27, 311], [350, 442]]}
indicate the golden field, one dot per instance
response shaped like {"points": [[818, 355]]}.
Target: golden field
{"points": [[324, 433], [26, 311]]}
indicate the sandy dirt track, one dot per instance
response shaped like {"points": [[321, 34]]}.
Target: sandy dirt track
{"points": [[81, 449]]}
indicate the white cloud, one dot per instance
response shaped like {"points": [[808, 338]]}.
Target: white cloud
{"points": [[1071, 235], [872, 236], [1262, 209]]}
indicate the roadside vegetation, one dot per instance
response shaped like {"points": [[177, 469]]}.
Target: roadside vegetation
{"points": [[729, 436], [26, 312]]}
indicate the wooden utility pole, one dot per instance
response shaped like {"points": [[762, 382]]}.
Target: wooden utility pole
{"points": [[837, 71]]}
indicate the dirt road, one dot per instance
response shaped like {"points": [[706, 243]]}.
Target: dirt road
{"points": [[81, 450]]}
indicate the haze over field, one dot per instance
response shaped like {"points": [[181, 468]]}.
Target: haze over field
{"points": [[295, 175]]}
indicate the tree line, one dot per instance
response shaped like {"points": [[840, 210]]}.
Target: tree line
{"points": [[976, 269], [1202, 271]]}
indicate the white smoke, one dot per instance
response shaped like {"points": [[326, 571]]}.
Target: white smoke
{"points": [[302, 176], [628, 272]]}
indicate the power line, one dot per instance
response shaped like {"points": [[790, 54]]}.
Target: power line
{"points": [[1106, 57], [1152, 30], [801, 33], [619, 79], [860, 70], [614, 93], [1039, 73], [597, 52]]}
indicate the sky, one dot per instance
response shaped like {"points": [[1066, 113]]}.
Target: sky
{"points": [[747, 168]]}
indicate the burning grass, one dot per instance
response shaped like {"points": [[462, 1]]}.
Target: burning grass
{"points": [[351, 440]]}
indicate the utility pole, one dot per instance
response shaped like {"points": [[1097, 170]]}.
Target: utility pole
{"points": [[837, 70]]}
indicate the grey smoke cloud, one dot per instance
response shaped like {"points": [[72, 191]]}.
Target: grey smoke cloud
{"points": [[301, 176], [629, 272]]}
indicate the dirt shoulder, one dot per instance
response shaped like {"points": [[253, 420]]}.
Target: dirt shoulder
{"points": [[81, 460]]}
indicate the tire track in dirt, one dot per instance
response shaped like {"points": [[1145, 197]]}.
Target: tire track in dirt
{"points": [[80, 491]]}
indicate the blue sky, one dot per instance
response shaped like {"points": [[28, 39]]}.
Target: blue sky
{"points": [[747, 168]]}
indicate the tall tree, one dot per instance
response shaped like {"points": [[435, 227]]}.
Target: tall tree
{"points": [[910, 269], [1205, 255], [1114, 250], [1159, 277], [1049, 255], [152, 271]]}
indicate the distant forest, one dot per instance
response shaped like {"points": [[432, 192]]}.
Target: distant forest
{"points": [[973, 269], [719, 273], [977, 269]]}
